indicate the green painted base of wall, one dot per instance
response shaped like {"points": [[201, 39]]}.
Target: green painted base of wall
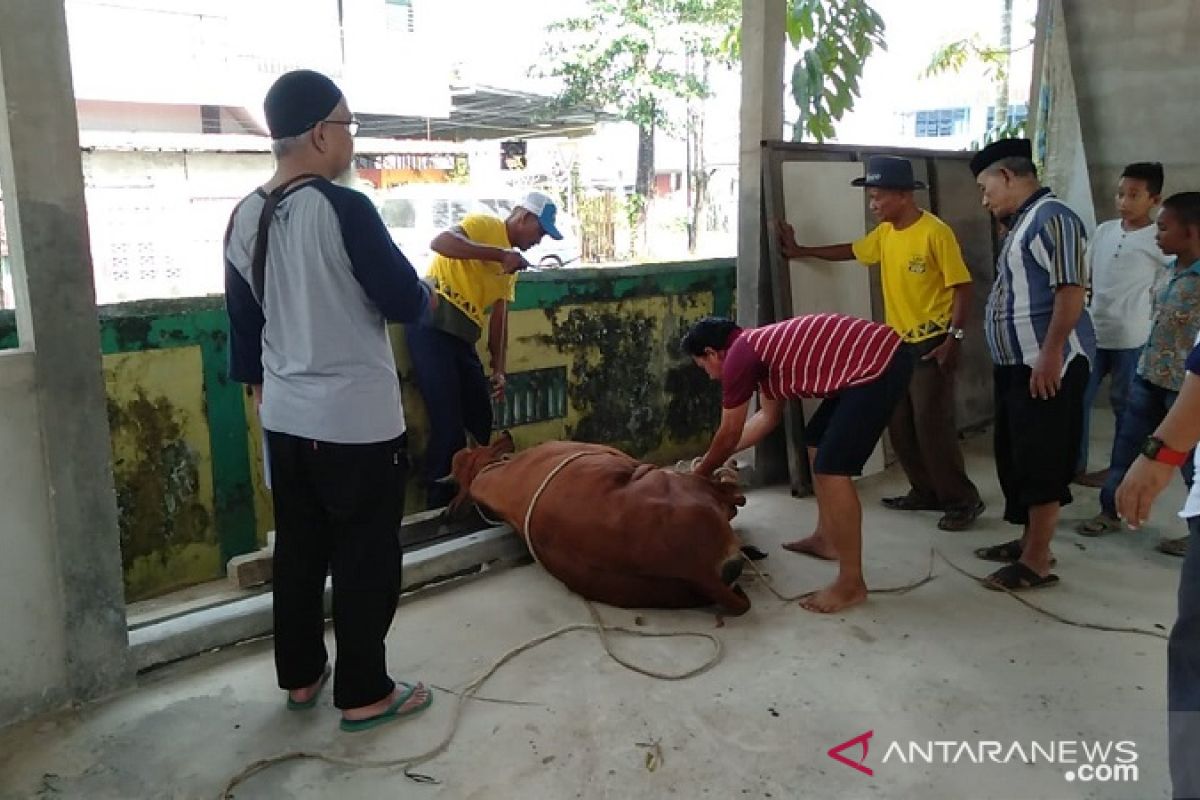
{"points": [[186, 444]]}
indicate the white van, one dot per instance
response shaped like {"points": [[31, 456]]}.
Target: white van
{"points": [[416, 213]]}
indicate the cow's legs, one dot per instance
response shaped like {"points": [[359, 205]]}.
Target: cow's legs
{"points": [[728, 596], [626, 590]]}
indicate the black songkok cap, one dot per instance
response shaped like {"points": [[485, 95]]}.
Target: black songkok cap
{"points": [[298, 101], [996, 151]]}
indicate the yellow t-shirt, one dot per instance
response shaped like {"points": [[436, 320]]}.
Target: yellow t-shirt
{"points": [[473, 287], [920, 266]]}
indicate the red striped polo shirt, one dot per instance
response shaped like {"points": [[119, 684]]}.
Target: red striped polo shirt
{"points": [[815, 355]]}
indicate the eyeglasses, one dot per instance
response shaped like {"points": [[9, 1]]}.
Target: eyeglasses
{"points": [[351, 124]]}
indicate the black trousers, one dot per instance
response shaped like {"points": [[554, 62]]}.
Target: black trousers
{"points": [[457, 398], [338, 509], [1037, 441]]}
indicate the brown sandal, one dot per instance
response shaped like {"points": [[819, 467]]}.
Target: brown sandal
{"points": [[1007, 552], [1016, 577], [1098, 525], [1173, 547]]}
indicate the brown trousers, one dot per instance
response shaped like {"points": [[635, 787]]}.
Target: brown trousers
{"points": [[925, 435]]}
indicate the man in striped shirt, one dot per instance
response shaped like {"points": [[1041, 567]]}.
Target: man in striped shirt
{"points": [[860, 371], [1041, 340]]}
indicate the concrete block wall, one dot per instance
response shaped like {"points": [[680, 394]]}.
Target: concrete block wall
{"points": [[1136, 74]]}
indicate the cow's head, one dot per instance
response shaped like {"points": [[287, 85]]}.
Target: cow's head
{"points": [[469, 461]]}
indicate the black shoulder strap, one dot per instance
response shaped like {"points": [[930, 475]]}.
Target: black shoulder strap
{"points": [[258, 264]]}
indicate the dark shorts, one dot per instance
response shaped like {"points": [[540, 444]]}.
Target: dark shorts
{"points": [[847, 426], [1037, 441]]}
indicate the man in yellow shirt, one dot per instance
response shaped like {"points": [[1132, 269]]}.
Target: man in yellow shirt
{"points": [[474, 271], [926, 297]]}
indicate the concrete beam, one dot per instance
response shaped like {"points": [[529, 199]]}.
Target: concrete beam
{"points": [[186, 635], [43, 188]]}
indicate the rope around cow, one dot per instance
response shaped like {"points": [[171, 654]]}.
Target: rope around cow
{"points": [[602, 629]]}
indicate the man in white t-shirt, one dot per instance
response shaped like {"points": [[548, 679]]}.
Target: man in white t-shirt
{"points": [[1125, 262], [1149, 475]]}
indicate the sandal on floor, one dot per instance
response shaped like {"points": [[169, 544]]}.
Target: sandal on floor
{"points": [[753, 553], [1098, 525], [959, 519], [296, 705], [1173, 547], [395, 711], [1016, 577], [910, 502], [1007, 552]]}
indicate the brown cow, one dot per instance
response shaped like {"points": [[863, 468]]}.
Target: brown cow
{"points": [[611, 528]]}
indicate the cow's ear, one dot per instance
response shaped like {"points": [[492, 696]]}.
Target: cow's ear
{"points": [[503, 444]]}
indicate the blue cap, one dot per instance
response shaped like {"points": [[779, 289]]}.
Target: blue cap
{"points": [[546, 211]]}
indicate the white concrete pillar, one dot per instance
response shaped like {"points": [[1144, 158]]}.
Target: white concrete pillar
{"points": [[763, 47], [764, 26], [58, 327]]}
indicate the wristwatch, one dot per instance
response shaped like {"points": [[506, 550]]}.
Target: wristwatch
{"points": [[1154, 449], [956, 333]]}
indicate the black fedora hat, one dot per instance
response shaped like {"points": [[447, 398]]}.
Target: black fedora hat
{"points": [[888, 172]]}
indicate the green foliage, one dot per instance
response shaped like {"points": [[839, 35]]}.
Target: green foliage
{"points": [[637, 56], [1005, 130], [635, 208], [840, 36], [955, 56], [996, 61]]}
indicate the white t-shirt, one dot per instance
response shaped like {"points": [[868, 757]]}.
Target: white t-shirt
{"points": [[1124, 265], [1191, 508]]}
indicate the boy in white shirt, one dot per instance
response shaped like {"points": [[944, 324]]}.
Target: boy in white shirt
{"points": [[1125, 262]]}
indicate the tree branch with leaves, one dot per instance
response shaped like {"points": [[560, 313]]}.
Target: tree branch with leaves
{"points": [[996, 61], [836, 38], [639, 58]]}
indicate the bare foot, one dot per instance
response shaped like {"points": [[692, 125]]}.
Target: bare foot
{"points": [[836, 596], [816, 546], [417, 698], [308, 692]]}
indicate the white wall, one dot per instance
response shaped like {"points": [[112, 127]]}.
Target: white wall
{"points": [[33, 655], [157, 219]]}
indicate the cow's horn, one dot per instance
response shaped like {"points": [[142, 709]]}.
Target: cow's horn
{"points": [[449, 480]]}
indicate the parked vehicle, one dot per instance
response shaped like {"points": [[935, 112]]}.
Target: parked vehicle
{"points": [[416, 213]]}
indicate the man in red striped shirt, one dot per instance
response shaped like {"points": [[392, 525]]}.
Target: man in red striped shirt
{"points": [[860, 371]]}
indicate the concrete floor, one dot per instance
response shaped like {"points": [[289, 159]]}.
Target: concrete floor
{"points": [[949, 661]]}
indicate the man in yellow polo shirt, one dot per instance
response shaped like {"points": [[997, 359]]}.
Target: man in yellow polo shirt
{"points": [[474, 271], [926, 297]]}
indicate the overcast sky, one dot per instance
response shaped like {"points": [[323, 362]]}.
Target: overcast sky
{"points": [[503, 39]]}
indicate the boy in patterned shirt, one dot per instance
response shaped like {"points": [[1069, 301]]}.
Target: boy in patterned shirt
{"points": [[1161, 368]]}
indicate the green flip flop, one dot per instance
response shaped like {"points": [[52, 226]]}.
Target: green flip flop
{"points": [[394, 711]]}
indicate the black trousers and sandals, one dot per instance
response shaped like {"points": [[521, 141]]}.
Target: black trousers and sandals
{"points": [[338, 509]]}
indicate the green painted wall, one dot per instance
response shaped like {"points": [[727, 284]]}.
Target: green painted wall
{"points": [[186, 451]]}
